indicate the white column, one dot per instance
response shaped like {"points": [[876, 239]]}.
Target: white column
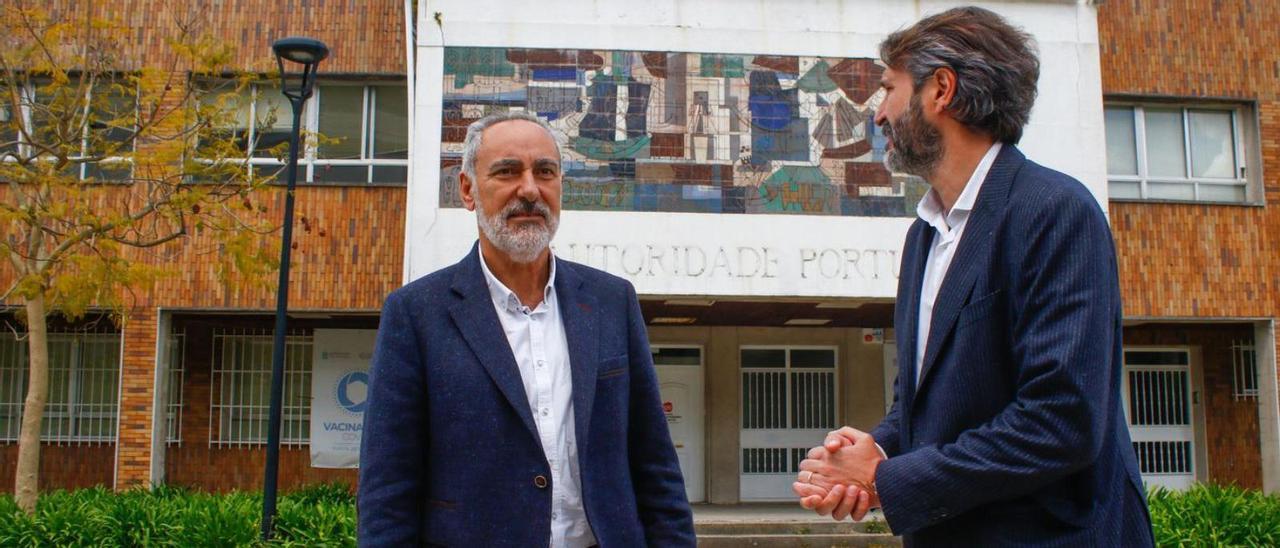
{"points": [[1264, 340], [160, 405]]}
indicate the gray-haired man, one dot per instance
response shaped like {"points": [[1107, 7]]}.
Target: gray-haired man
{"points": [[513, 400]]}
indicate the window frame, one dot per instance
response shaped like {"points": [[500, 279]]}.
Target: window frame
{"points": [[1247, 164], [28, 96], [309, 158]]}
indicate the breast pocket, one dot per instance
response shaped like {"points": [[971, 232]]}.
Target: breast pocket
{"points": [[611, 368], [980, 308]]}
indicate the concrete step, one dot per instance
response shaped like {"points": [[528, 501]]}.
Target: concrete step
{"points": [[867, 540], [827, 527], [777, 525]]}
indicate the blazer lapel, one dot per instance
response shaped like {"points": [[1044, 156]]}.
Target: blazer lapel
{"points": [[476, 319], [918, 242], [965, 265], [580, 314]]}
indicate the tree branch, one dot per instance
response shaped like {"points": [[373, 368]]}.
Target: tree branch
{"points": [[182, 231], [8, 292], [104, 230]]}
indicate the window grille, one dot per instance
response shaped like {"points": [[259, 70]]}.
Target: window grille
{"points": [[1163, 457], [785, 389], [241, 388], [84, 386], [1244, 358], [175, 372]]}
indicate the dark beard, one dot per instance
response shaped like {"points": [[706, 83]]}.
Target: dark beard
{"points": [[917, 144]]}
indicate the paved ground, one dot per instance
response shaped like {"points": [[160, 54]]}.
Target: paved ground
{"points": [[761, 512]]}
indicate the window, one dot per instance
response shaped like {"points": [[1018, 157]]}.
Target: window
{"points": [[110, 135], [13, 384], [174, 372], [1244, 360], [365, 132], [8, 132], [1172, 152], [84, 375], [241, 391], [103, 147]]}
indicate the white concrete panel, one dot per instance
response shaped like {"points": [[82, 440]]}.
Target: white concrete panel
{"points": [[718, 255], [423, 195]]}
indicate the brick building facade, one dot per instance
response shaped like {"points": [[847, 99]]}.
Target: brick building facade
{"points": [[1209, 268]]}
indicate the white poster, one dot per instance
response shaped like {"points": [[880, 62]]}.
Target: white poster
{"points": [[339, 390]]}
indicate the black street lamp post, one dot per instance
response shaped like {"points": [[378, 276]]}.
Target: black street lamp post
{"points": [[308, 53]]}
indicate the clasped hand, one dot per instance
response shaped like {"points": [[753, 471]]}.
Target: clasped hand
{"points": [[838, 478]]}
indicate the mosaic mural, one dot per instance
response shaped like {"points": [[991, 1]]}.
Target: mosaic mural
{"points": [[688, 132]]}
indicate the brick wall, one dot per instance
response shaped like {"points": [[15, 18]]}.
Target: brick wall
{"points": [[1196, 260], [365, 37], [63, 466], [352, 266], [230, 469]]}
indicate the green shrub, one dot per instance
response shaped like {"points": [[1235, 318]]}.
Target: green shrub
{"points": [[322, 515], [1211, 515], [323, 493]]}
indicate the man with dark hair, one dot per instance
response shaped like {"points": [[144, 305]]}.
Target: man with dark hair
{"points": [[512, 396], [1007, 425]]}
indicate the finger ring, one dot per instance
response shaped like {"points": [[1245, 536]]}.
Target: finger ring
{"points": [[806, 479]]}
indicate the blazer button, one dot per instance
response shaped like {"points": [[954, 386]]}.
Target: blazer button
{"points": [[540, 482]]}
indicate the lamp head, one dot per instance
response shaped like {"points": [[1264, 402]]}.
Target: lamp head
{"points": [[306, 51], [300, 49]]}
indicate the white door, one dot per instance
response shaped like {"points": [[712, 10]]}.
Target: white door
{"points": [[680, 382], [1157, 404], [789, 397]]}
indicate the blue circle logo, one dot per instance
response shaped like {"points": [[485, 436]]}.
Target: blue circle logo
{"points": [[353, 392]]}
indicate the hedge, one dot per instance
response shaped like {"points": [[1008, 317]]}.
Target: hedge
{"points": [[1211, 515], [324, 515]]}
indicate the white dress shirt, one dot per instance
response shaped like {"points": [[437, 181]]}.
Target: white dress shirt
{"points": [[541, 350], [950, 227]]}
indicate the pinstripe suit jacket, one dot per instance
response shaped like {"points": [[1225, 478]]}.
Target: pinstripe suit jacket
{"points": [[1014, 432]]}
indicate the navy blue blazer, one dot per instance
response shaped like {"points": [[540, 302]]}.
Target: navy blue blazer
{"points": [[450, 455], [1014, 434]]}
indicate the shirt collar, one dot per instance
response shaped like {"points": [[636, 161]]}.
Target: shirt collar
{"points": [[506, 299], [930, 206]]}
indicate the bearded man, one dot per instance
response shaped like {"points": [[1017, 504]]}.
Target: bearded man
{"points": [[1007, 427], [512, 396]]}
